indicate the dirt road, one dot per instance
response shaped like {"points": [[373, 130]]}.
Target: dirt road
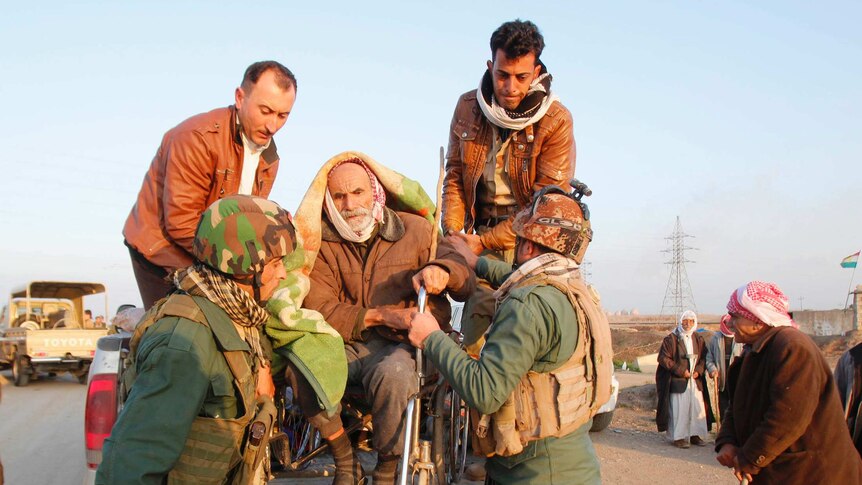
{"points": [[42, 431], [41, 442]]}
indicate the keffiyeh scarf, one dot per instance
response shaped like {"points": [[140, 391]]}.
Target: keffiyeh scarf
{"points": [[553, 265], [532, 108], [379, 203], [722, 326], [760, 301], [247, 316]]}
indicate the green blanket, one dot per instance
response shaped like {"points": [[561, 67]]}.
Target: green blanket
{"points": [[302, 335]]}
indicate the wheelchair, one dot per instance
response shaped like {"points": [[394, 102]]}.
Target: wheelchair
{"points": [[436, 432]]}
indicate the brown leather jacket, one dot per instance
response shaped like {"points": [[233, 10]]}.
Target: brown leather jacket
{"points": [[344, 286], [198, 162], [539, 155]]}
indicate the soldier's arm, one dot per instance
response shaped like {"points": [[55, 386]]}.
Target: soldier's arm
{"points": [[513, 343], [189, 172], [493, 271]]}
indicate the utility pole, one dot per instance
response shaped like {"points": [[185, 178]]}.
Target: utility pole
{"points": [[677, 295], [800, 302]]}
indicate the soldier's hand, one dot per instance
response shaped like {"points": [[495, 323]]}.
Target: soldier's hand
{"points": [[433, 278], [713, 374], [695, 375], [686, 374], [265, 386], [460, 244], [422, 325]]}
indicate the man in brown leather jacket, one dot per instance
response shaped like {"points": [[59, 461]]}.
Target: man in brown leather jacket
{"points": [[207, 157], [508, 138]]}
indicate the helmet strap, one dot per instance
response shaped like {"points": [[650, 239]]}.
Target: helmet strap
{"points": [[256, 284]]}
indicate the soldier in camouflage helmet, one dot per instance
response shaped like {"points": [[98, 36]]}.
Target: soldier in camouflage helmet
{"points": [[202, 374], [239, 235], [555, 221], [548, 335]]}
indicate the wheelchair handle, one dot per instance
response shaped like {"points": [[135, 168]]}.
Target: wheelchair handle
{"points": [[423, 298]]}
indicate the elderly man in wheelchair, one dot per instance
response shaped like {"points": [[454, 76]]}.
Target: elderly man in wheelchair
{"points": [[371, 262]]}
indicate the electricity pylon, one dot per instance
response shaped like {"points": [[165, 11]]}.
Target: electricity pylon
{"points": [[677, 296]]}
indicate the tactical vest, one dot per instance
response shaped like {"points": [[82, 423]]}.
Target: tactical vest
{"points": [[217, 450], [556, 403]]}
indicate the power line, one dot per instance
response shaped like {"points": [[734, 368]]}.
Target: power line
{"points": [[677, 295]]}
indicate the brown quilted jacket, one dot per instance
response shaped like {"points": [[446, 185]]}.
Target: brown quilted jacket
{"points": [[539, 155], [198, 162]]}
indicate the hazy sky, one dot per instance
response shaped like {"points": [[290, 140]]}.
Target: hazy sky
{"points": [[742, 120]]}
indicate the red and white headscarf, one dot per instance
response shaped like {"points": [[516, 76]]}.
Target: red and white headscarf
{"points": [[379, 202], [722, 326], [763, 302]]}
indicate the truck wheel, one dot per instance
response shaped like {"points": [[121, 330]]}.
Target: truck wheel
{"points": [[21, 370], [601, 421]]}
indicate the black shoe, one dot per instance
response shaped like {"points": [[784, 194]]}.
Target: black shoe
{"points": [[681, 444], [697, 441]]}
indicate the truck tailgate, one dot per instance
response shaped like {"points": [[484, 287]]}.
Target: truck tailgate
{"points": [[60, 342]]}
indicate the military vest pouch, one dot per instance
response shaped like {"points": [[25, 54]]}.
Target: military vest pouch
{"points": [[211, 451], [558, 402], [257, 440]]}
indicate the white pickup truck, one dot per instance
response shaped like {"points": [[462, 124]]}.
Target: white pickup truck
{"points": [[44, 330]]}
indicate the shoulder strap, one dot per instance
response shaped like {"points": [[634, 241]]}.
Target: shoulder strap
{"points": [[196, 309], [174, 305]]}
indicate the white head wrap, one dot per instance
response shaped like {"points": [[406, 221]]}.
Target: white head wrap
{"points": [[687, 315]]}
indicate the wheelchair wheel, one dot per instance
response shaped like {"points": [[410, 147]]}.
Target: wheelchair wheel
{"points": [[302, 437], [451, 435], [296, 439]]}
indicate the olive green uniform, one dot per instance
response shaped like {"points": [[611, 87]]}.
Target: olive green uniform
{"points": [[182, 374], [534, 329]]}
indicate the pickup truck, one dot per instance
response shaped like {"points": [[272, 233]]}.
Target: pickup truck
{"points": [[43, 333]]}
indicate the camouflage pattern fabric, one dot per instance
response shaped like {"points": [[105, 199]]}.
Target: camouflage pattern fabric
{"points": [[302, 335], [557, 222], [239, 234]]}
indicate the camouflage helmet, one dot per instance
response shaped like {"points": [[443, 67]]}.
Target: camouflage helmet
{"points": [[558, 221], [238, 235]]}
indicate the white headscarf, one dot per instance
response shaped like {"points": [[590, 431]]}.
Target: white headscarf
{"points": [[687, 315]]}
